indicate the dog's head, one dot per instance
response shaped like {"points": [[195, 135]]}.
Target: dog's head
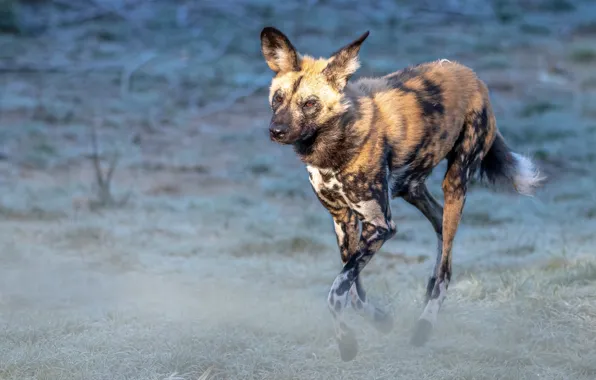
{"points": [[306, 93]]}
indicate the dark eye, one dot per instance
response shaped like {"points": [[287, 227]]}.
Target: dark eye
{"points": [[278, 98], [310, 103]]}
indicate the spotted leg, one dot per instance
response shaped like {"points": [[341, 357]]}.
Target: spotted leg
{"points": [[423, 200], [347, 232], [381, 320], [377, 228]]}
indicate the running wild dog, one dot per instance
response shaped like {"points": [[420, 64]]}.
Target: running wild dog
{"points": [[373, 139]]}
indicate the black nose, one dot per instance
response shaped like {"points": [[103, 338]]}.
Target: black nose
{"points": [[277, 131]]}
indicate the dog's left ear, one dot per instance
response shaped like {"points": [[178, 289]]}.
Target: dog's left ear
{"points": [[280, 54], [344, 62]]}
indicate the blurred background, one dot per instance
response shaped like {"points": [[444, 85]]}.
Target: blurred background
{"points": [[150, 230]]}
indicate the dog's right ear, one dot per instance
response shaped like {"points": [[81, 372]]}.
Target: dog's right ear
{"points": [[278, 51]]}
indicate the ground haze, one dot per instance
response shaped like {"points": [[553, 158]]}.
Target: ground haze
{"points": [[219, 263]]}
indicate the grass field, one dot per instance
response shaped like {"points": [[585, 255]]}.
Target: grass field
{"points": [[218, 261]]}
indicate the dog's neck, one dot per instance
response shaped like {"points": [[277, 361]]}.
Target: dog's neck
{"points": [[333, 145]]}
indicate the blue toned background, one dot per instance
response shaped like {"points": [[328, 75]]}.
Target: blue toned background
{"points": [[150, 230]]}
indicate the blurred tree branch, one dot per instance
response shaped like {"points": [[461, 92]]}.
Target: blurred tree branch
{"points": [[103, 179]]}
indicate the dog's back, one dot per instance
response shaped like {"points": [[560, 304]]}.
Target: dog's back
{"points": [[423, 112]]}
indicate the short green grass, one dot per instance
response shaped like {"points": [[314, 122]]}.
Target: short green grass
{"points": [[286, 246], [583, 55], [537, 108], [482, 218]]}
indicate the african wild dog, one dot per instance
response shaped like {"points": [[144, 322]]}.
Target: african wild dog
{"points": [[373, 139]]}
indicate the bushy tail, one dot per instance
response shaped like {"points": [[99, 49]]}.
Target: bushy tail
{"points": [[501, 167]]}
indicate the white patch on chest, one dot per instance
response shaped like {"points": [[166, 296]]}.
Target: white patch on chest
{"points": [[370, 210], [332, 184]]}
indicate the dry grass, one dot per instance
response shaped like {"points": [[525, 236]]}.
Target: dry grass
{"points": [[523, 324]]}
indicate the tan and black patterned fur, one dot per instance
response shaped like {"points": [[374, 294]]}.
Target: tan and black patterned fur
{"points": [[367, 141]]}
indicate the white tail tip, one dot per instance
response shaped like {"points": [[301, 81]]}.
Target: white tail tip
{"points": [[527, 177]]}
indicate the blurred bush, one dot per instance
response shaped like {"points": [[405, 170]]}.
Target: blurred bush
{"points": [[8, 16], [20, 16]]}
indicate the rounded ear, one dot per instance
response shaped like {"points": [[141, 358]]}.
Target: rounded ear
{"points": [[278, 51], [344, 62]]}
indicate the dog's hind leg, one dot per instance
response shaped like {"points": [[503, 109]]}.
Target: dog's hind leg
{"points": [[454, 188], [423, 200], [462, 162]]}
